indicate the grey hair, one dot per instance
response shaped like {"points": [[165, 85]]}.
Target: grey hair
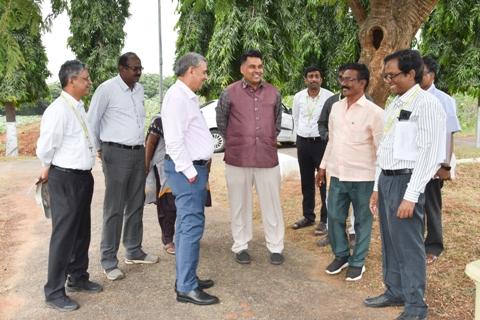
{"points": [[69, 70], [191, 59]]}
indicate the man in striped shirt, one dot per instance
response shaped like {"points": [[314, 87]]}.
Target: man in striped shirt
{"points": [[407, 159]]}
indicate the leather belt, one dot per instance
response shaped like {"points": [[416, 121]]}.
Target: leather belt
{"points": [[76, 171], [195, 162], [311, 139], [399, 172], [123, 146]]}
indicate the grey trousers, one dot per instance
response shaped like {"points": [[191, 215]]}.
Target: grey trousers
{"points": [[403, 250], [124, 172]]}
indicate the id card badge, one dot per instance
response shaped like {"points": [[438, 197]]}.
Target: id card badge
{"points": [[404, 143]]}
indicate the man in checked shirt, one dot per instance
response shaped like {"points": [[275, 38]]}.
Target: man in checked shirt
{"points": [[407, 159]]}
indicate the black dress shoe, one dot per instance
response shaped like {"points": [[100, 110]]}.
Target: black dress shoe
{"points": [[205, 284], [84, 285], [64, 304], [405, 316], [382, 301], [197, 296]]}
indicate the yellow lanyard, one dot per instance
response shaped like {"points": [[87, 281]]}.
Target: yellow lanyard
{"points": [[395, 115], [80, 120]]}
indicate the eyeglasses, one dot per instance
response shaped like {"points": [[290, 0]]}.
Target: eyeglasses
{"points": [[85, 79], [390, 77], [346, 79], [134, 68]]}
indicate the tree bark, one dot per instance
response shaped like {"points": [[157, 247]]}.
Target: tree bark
{"points": [[11, 148], [390, 25]]}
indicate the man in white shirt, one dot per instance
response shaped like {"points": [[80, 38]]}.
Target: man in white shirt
{"points": [[65, 148], [433, 190], [117, 118], [406, 161], [189, 149], [306, 110]]}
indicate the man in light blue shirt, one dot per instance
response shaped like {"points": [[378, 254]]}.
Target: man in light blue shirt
{"points": [[433, 195], [117, 118]]}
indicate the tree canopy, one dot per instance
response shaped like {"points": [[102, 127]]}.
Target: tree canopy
{"points": [[452, 36], [292, 34], [284, 31], [97, 33], [23, 62]]}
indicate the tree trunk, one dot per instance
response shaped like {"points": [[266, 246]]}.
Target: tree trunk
{"points": [[11, 149], [390, 25]]}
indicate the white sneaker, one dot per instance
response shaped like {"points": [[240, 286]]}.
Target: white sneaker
{"points": [[114, 274], [149, 259]]}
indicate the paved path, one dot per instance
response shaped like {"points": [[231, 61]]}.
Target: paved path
{"points": [[299, 289]]}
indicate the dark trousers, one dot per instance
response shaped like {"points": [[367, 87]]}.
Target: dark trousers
{"points": [[70, 199], [341, 194], [403, 250], [166, 212], [310, 154], [124, 171], [433, 215]]}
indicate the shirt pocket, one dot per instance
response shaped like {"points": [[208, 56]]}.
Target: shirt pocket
{"points": [[359, 133]]}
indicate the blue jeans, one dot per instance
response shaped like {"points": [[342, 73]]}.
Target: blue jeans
{"points": [[190, 202]]}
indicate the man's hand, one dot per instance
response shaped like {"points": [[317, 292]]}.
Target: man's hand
{"points": [[43, 175], [443, 174], [373, 203], [405, 211], [193, 180], [320, 177]]}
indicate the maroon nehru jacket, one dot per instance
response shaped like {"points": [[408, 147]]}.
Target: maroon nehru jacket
{"points": [[250, 120]]}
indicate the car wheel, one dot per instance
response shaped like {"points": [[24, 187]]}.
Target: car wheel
{"points": [[219, 139]]}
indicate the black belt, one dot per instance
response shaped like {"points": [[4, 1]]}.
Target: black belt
{"points": [[399, 172], [195, 162], [76, 171], [311, 139], [123, 146]]}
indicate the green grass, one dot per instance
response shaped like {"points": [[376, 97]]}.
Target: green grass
{"points": [[21, 120]]}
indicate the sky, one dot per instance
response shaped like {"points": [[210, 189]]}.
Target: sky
{"points": [[142, 36]]}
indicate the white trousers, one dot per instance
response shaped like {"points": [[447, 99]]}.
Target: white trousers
{"points": [[240, 182]]}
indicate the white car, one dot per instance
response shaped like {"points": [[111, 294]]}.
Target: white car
{"points": [[286, 136]]}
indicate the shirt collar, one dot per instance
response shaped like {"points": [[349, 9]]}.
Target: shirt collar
{"points": [[245, 84], [406, 96], [71, 99], [186, 89], [123, 85], [362, 101], [432, 88]]}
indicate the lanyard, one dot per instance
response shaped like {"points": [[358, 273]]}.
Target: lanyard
{"points": [[396, 114], [80, 120]]}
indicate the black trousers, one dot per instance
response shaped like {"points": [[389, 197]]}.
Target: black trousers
{"points": [[310, 154], [70, 199], [433, 215]]}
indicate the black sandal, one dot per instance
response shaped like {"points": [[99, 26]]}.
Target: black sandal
{"points": [[302, 223]]}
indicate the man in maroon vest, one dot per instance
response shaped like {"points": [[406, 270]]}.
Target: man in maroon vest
{"points": [[249, 116]]}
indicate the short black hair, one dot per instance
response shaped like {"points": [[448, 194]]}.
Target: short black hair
{"points": [[123, 59], [431, 64], [408, 59], [70, 69], [362, 70], [250, 54], [311, 68]]}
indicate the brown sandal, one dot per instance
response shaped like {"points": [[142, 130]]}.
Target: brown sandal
{"points": [[170, 248]]}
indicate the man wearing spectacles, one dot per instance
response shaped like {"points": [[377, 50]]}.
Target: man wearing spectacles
{"points": [[117, 118], [307, 106], [355, 129], [407, 160]]}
